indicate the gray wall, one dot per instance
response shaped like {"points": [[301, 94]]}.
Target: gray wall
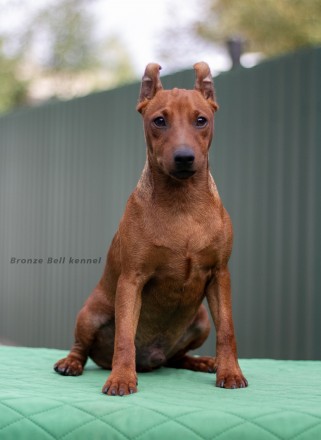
{"points": [[66, 170]]}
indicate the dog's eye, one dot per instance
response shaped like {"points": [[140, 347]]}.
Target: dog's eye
{"points": [[201, 121], [159, 121]]}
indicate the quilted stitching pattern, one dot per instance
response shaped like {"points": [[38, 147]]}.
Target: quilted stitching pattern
{"points": [[283, 402]]}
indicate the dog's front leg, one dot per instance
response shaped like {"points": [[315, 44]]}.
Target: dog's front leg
{"points": [[123, 379], [228, 372]]}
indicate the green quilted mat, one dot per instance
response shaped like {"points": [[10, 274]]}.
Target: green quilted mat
{"points": [[283, 401]]}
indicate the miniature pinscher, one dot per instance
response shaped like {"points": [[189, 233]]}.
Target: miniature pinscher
{"points": [[171, 251]]}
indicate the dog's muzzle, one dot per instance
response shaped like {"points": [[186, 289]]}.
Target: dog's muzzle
{"points": [[183, 159]]}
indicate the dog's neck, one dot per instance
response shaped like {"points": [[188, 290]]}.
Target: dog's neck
{"points": [[165, 190]]}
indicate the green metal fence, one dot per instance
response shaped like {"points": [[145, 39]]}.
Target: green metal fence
{"points": [[268, 165], [66, 170]]}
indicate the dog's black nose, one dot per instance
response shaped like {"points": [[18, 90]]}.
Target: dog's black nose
{"points": [[184, 158]]}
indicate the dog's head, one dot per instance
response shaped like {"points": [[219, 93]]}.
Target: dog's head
{"points": [[178, 123]]}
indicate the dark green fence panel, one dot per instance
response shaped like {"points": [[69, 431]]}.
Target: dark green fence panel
{"points": [[267, 164], [66, 170]]}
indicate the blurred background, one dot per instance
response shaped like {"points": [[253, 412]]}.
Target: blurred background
{"points": [[72, 149], [59, 49]]}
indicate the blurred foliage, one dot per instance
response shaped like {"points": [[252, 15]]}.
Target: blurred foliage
{"points": [[13, 92], [117, 58], [59, 46], [66, 27], [272, 27]]}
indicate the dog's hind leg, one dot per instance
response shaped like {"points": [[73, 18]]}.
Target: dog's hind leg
{"points": [[94, 316], [193, 338]]}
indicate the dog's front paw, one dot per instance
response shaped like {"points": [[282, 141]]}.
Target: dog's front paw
{"points": [[69, 366], [120, 384], [230, 378]]}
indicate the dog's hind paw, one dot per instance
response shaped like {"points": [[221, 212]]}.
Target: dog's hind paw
{"points": [[69, 366], [205, 364]]}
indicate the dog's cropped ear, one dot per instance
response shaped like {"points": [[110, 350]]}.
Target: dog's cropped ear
{"points": [[151, 84], [204, 83]]}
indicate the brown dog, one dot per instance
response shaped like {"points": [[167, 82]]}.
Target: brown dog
{"points": [[171, 250]]}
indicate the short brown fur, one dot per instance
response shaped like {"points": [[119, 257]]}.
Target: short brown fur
{"points": [[171, 251]]}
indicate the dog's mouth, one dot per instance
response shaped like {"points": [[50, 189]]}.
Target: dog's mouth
{"points": [[182, 174]]}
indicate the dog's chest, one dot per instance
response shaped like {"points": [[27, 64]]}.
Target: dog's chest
{"points": [[185, 252], [179, 279], [184, 267]]}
